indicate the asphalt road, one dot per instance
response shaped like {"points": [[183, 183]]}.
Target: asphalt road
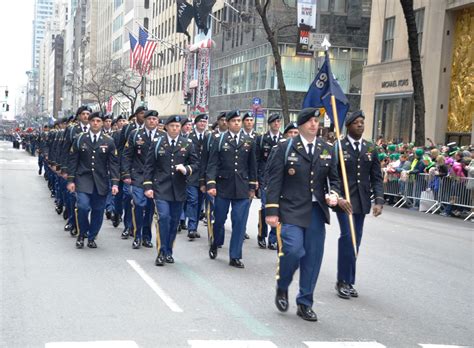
{"points": [[415, 280]]}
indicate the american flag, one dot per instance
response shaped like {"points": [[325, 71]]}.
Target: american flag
{"points": [[148, 49], [133, 45]]}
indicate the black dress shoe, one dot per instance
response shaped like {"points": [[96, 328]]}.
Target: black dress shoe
{"points": [[212, 252], [353, 291], [147, 244], [272, 246], [160, 260], [191, 235], [80, 242], [136, 244], [306, 312], [91, 244], [39, 172], [73, 232], [52, 194], [68, 227], [125, 233], [115, 220], [236, 263], [246, 236], [65, 214], [196, 234], [343, 290], [59, 209], [182, 225], [261, 243], [281, 300], [108, 215], [169, 259]]}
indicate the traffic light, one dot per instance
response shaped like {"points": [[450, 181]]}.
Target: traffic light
{"points": [[8, 108], [6, 93], [187, 98]]}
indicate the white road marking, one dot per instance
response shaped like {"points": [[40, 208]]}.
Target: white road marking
{"points": [[92, 344], [152, 284], [343, 344], [230, 344], [441, 346]]}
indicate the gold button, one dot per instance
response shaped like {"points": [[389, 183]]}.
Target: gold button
{"points": [[358, 181], [236, 157], [327, 164], [358, 174], [235, 170], [235, 163], [93, 151], [92, 163], [312, 173], [311, 181], [358, 166], [172, 160], [92, 169], [172, 173], [93, 157], [312, 190]]}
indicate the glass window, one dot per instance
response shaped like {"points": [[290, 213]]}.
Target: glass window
{"points": [[419, 19], [117, 44], [356, 77], [340, 6], [388, 39], [117, 3], [297, 72], [118, 23], [324, 5], [393, 119]]}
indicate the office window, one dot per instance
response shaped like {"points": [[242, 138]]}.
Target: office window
{"points": [[420, 19], [387, 50], [118, 23], [117, 3], [117, 44], [340, 6], [393, 119], [147, 4]]}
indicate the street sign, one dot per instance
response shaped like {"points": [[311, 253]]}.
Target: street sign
{"points": [[256, 101], [315, 41]]}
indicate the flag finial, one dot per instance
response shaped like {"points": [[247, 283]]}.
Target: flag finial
{"points": [[326, 44]]}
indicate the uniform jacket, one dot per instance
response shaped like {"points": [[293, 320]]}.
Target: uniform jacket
{"points": [[134, 155], [199, 146], [160, 168], [70, 133], [206, 150], [232, 167], [92, 165], [265, 144], [293, 180], [364, 175]]}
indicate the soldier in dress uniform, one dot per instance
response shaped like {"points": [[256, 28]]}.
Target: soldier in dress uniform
{"points": [[195, 197], [118, 124], [92, 163], [297, 203], [132, 163], [265, 143], [135, 121], [364, 178], [109, 204], [186, 128], [232, 179], [170, 160], [42, 148]]}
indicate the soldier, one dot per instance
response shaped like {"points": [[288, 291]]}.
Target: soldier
{"points": [[364, 176], [186, 128], [291, 131], [265, 143], [109, 204], [231, 179], [132, 163], [92, 162], [221, 123], [195, 196], [118, 198], [107, 128], [42, 148], [170, 160], [297, 199]]}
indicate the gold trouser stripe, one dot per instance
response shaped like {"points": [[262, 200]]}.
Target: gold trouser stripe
{"points": [[210, 230], [134, 222], [77, 220], [260, 225], [280, 249], [157, 223]]}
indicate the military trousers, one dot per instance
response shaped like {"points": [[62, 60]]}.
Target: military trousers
{"points": [[90, 203], [168, 219], [143, 209], [194, 201]]}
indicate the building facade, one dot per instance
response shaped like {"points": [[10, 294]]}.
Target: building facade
{"points": [[445, 41], [43, 11]]}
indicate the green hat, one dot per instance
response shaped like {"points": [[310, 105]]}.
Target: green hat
{"points": [[391, 147], [419, 152], [382, 156]]}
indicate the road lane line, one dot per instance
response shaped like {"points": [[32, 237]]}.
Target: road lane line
{"points": [[311, 344], [155, 287], [441, 346], [92, 344], [230, 344]]}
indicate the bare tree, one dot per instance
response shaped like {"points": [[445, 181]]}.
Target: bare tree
{"points": [[416, 73], [128, 84]]}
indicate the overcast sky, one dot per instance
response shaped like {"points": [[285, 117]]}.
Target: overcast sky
{"points": [[16, 35]]}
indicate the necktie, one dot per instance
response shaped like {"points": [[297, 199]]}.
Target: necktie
{"points": [[275, 139], [200, 137], [172, 144], [235, 138], [85, 129], [310, 151], [95, 138], [356, 143]]}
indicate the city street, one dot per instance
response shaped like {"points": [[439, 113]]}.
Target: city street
{"points": [[415, 280]]}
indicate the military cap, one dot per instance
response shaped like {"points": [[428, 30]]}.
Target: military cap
{"points": [[140, 109], [222, 114], [96, 114], [161, 121], [214, 125], [131, 117], [290, 126], [107, 117], [247, 115], [114, 121], [232, 114], [273, 118], [120, 117], [305, 114], [71, 118], [173, 118], [201, 117], [64, 120], [185, 120], [149, 113], [83, 108], [353, 116]]}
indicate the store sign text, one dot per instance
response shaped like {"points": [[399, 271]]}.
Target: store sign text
{"points": [[395, 83]]}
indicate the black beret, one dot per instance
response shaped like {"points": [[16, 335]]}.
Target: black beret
{"points": [[173, 118], [107, 117], [305, 114], [149, 113], [64, 120], [214, 125], [232, 114], [353, 116], [96, 114], [83, 108], [273, 118], [161, 121], [247, 115], [114, 121], [131, 117], [120, 117], [222, 114], [140, 109], [185, 120], [290, 126], [71, 118], [201, 117]]}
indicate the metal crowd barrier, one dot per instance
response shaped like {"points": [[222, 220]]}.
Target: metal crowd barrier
{"points": [[431, 192]]}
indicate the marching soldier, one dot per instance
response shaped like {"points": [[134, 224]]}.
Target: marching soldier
{"points": [[170, 160], [364, 176], [265, 143], [92, 163], [232, 179], [42, 149], [117, 126], [195, 196], [297, 203], [132, 163], [186, 128]]}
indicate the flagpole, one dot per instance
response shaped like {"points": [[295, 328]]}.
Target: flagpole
{"points": [[158, 39], [326, 45]]}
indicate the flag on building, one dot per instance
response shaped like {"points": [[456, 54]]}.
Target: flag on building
{"points": [[148, 48], [133, 45], [320, 91], [185, 13], [202, 10], [108, 108]]}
